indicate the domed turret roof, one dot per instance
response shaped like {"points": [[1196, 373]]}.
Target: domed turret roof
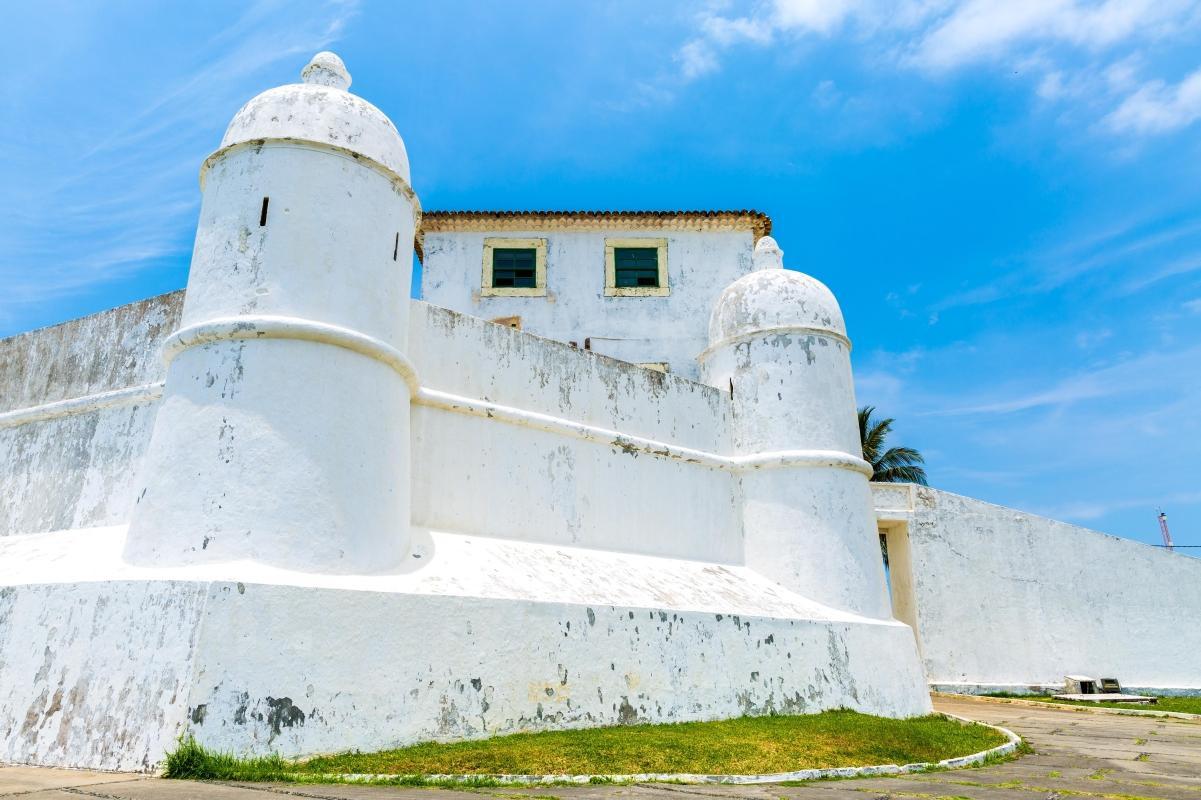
{"points": [[321, 110], [774, 298]]}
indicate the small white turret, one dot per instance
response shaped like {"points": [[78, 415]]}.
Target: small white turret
{"points": [[283, 434], [778, 343]]}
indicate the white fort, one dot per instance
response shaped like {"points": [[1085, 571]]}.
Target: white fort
{"points": [[291, 510]]}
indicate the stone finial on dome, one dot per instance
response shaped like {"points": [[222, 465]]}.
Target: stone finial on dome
{"points": [[319, 109], [768, 254], [770, 298], [326, 69]]}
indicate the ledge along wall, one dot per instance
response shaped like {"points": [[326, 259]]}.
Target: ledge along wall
{"points": [[1003, 600]]}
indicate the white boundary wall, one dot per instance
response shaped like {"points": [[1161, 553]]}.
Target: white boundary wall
{"points": [[1007, 600], [77, 403]]}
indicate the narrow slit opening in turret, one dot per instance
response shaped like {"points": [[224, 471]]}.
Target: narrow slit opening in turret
{"points": [[396, 246], [263, 213]]}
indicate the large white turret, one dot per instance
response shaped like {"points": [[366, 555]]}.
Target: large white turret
{"points": [[283, 434], [778, 343]]}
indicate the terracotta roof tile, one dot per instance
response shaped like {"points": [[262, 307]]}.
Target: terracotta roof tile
{"points": [[489, 221]]}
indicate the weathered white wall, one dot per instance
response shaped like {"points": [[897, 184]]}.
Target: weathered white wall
{"points": [[114, 349], [92, 673], [272, 441], [474, 637], [556, 579], [999, 597], [479, 475], [1006, 598], [77, 469], [474, 474], [637, 329]]}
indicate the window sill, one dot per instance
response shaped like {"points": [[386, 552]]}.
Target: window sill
{"points": [[505, 291], [637, 291]]}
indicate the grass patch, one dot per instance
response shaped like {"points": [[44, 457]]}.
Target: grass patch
{"points": [[1186, 705], [747, 745], [192, 761]]}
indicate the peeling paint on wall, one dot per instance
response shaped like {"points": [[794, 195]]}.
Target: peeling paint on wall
{"points": [[96, 674]]}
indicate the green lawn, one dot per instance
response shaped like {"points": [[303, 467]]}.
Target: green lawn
{"points": [[745, 745], [1187, 705]]}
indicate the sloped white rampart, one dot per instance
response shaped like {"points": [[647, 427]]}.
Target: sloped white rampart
{"points": [[476, 636], [1006, 599]]}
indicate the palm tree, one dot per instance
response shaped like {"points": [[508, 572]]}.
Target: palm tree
{"points": [[894, 465]]}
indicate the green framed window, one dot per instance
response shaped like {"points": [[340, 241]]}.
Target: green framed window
{"points": [[636, 266], [514, 268]]}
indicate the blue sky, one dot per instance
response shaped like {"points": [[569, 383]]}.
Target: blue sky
{"points": [[1005, 196]]}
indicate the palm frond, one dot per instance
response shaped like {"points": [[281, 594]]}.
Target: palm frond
{"points": [[894, 465], [900, 456], [904, 474], [872, 433]]}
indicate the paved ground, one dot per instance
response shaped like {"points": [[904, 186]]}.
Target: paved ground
{"points": [[1077, 755]]}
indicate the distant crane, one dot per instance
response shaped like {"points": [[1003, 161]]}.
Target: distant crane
{"points": [[1163, 530]]}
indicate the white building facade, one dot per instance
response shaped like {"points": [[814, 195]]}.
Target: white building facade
{"points": [[291, 510], [637, 286]]}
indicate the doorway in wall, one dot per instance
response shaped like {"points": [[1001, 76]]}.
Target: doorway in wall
{"points": [[898, 571]]}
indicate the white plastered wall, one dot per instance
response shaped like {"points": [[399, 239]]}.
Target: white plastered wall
{"points": [[479, 474], [1004, 599]]}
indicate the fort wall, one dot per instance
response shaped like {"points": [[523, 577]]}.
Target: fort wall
{"points": [[513, 436], [77, 403], [1003, 600]]}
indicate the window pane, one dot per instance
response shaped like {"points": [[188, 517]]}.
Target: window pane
{"points": [[636, 266], [514, 267]]}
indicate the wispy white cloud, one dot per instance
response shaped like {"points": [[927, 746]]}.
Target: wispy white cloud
{"points": [[696, 58], [1159, 107], [1137, 375], [1089, 53], [1090, 338], [1103, 506], [1177, 266], [1141, 251], [984, 30], [1072, 390]]}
